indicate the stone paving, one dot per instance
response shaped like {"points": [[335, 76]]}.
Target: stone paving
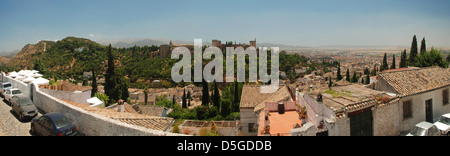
{"points": [[9, 123]]}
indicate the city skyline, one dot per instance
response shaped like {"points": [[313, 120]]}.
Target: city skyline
{"points": [[297, 23]]}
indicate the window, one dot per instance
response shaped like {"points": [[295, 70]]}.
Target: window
{"points": [[62, 122], [407, 111], [45, 121], [251, 128], [48, 123], [445, 96], [7, 85], [42, 119], [433, 131], [14, 92]]}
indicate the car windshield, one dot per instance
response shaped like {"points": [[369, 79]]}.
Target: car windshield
{"points": [[444, 120], [417, 131], [62, 122], [7, 85], [14, 92], [25, 101]]}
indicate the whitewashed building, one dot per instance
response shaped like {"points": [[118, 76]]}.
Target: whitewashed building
{"points": [[424, 94]]}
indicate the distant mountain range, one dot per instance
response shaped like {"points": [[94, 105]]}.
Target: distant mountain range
{"points": [[10, 54]]}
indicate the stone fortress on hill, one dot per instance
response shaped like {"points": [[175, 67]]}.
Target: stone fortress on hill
{"points": [[165, 49]]}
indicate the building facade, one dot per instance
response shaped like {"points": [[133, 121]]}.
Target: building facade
{"points": [[398, 101], [424, 94], [253, 102]]}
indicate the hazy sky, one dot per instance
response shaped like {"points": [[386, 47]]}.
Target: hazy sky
{"points": [[292, 22]]}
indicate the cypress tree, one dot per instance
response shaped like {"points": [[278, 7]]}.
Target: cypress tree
{"points": [[413, 53], [393, 62], [110, 78], [189, 102], [94, 83], [366, 71], [122, 86], [216, 97], [374, 70], [367, 79], [237, 98], [423, 47], [211, 100], [225, 109], [347, 75], [116, 86], [403, 59], [354, 78], [173, 100], [384, 65], [448, 58], [330, 83], [236, 92], [184, 104], [145, 95], [205, 93], [339, 76], [189, 98]]}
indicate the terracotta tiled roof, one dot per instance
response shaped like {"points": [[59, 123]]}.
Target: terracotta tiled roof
{"points": [[349, 97], [128, 108], [156, 123], [252, 96], [393, 101], [417, 81], [150, 110], [192, 123], [360, 105], [281, 95], [401, 69]]}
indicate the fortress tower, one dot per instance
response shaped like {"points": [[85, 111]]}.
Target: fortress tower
{"points": [[253, 43], [45, 46]]}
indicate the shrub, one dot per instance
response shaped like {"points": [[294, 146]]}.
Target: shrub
{"points": [[102, 97]]}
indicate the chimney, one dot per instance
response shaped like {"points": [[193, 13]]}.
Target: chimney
{"points": [[280, 108], [120, 107], [319, 98]]}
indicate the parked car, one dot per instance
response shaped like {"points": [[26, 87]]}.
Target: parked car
{"points": [[23, 107], [53, 124], [424, 129], [443, 124], [4, 86], [11, 92]]}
